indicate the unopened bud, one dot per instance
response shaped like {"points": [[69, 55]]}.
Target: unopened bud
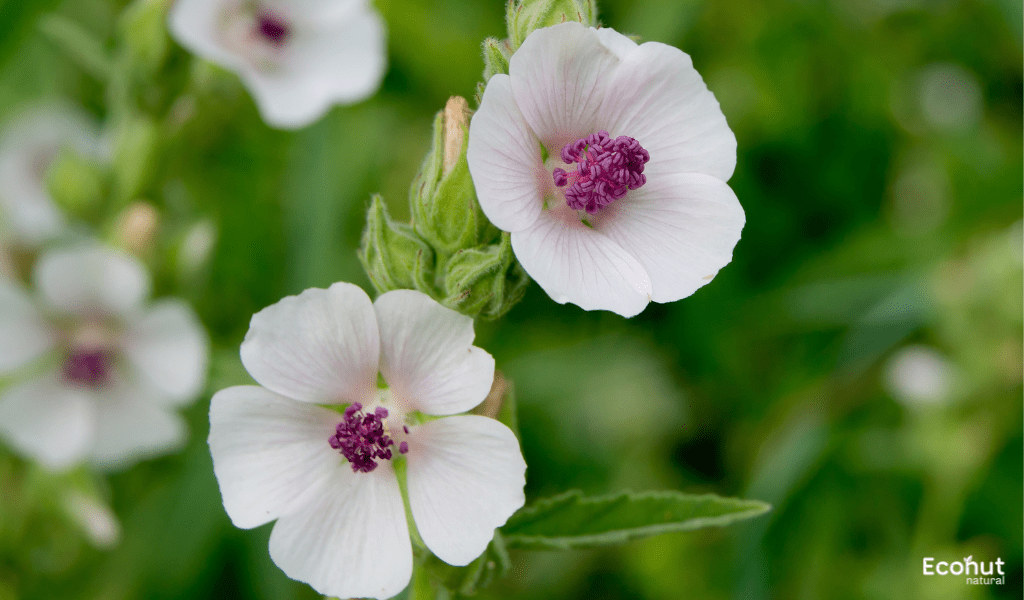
{"points": [[393, 255], [523, 17], [75, 183], [136, 228], [456, 122], [485, 281], [442, 197]]}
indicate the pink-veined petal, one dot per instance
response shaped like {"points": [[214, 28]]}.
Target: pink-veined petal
{"points": [[196, 25], [681, 227], [427, 354], [657, 97], [559, 77], [505, 160], [466, 477], [169, 346], [578, 264], [48, 420], [352, 541], [320, 346], [270, 453]]}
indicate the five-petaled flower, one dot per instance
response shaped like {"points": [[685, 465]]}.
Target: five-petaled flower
{"points": [[297, 58], [313, 445], [607, 162], [97, 375]]}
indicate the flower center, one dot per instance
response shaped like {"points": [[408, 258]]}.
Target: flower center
{"points": [[272, 28], [606, 169], [88, 367], [362, 438]]}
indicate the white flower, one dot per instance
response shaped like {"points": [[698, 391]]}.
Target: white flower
{"points": [[327, 475], [607, 162], [297, 57], [116, 371], [30, 143]]}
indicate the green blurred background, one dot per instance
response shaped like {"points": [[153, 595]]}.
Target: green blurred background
{"points": [[858, 365]]}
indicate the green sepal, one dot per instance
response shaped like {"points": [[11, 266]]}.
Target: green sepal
{"points": [[493, 564], [442, 198], [79, 44], [523, 17], [393, 255], [76, 184], [497, 53], [485, 281], [571, 520]]}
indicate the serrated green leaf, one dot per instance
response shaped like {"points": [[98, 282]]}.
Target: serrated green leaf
{"points": [[571, 520]]}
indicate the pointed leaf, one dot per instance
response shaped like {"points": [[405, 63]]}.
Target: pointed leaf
{"points": [[571, 520]]}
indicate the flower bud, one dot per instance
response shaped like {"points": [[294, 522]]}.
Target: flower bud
{"points": [[485, 281], [75, 184], [136, 228], [523, 17], [392, 254], [442, 197]]}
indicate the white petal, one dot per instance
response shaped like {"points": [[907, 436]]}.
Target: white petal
{"points": [[48, 420], [681, 227], [169, 346], [132, 426], [559, 77], [270, 454], [92, 280], [466, 477], [621, 45], [320, 346], [24, 336], [337, 61], [574, 263], [195, 24], [657, 97], [505, 160], [352, 541], [427, 354]]}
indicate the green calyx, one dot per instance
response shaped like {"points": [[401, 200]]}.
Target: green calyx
{"points": [[523, 17], [450, 251]]}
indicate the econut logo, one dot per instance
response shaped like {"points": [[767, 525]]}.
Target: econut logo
{"points": [[977, 573]]}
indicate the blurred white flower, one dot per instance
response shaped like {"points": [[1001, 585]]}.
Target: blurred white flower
{"points": [[326, 475], [118, 368], [950, 97], [645, 213], [297, 57], [29, 144], [918, 375]]}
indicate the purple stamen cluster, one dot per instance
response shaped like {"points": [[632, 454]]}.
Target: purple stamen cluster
{"points": [[88, 367], [361, 438], [273, 29], [607, 170]]}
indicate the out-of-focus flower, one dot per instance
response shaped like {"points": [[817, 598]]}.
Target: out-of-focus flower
{"points": [[918, 375], [327, 474], [30, 144], [607, 162], [118, 368], [296, 57]]}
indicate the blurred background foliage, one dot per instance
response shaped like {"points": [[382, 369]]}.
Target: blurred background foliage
{"points": [[858, 365]]}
